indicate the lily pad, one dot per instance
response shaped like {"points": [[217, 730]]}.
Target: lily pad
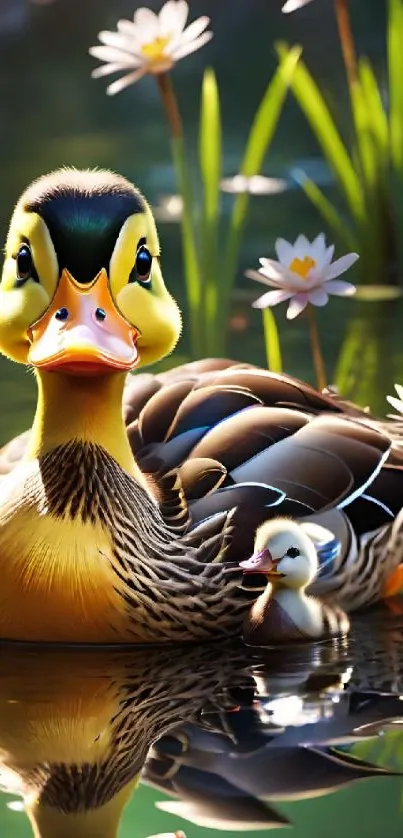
{"points": [[378, 293]]}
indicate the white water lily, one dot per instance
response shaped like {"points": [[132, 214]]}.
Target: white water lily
{"points": [[304, 273], [150, 44], [396, 403], [293, 5]]}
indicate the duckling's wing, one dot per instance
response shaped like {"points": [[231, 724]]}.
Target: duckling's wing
{"points": [[327, 545]]}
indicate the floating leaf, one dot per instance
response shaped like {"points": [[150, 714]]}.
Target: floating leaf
{"points": [[377, 293]]}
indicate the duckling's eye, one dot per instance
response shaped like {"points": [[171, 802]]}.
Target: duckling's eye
{"points": [[25, 266], [293, 552], [142, 267]]}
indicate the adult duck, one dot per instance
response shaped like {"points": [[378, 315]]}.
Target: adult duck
{"points": [[93, 549]]}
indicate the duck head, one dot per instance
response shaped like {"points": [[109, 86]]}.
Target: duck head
{"points": [[82, 291], [284, 553]]}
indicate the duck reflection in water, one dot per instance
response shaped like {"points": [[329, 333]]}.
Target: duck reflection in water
{"points": [[320, 716], [76, 725], [226, 733]]}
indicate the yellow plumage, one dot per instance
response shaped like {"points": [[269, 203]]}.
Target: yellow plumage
{"points": [[85, 555]]}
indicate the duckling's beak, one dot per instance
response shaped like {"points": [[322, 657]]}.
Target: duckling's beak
{"points": [[262, 562], [82, 332]]}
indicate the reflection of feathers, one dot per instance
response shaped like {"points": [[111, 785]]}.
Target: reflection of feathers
{"points": [[76, 726], [272, 760]]}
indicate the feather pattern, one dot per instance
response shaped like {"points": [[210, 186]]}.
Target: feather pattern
{"points": [[218, 437]]}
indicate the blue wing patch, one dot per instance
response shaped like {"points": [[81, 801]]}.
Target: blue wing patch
{"points": [[327, 552]]}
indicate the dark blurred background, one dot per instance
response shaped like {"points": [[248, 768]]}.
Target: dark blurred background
{"points": [[52, 114]]}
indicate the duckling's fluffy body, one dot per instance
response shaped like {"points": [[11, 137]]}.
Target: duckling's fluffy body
{"points": [[285, 612]]}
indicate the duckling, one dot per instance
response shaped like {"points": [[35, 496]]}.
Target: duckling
{"points": [[284, 612]]}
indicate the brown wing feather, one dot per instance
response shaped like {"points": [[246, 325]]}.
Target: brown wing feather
{"points": [[138, 391], [200, 476], [161, 411], [245, 435]]}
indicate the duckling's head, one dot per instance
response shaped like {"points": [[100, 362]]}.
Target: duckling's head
{"points": [[82, 290], [284, 553]]}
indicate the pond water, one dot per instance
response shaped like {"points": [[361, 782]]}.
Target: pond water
{"points": [[309, 738], [227, 737]]}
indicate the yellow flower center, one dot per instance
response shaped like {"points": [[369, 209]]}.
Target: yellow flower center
{"points": [[154, 51], [302, 266]]}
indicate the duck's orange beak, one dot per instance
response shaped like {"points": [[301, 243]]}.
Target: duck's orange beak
{"points": [[82, 332]]}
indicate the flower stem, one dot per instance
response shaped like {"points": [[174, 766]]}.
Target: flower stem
{"points": [[190, 254], [170, 104], [317, 355], [347, 41]]}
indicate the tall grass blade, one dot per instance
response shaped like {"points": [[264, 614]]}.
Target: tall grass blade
{"points": [[313, 104], [327, 210], [272, 341], [395, 66], [376, 110], [210, 155], [257, 145]]}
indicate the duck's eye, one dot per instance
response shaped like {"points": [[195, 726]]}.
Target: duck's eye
{"points": [[25, 265], [142, 267], [293, 552]]}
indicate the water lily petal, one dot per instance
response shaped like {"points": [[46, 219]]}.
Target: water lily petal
{"points": [[341, 265], [186, 49], [107, 70], [300, 283], [328, 256], [272, 298], [293, 5], [119, 41], [173, 17], [396, 403], [301, 247], [339, 287], [273, 270], [147, 24], [113, 55], [399, 391], [125, 81], [297, 304], [260, 277], [318, 296], [318, 250], [285, 252], [127, 27], [193, 31]]}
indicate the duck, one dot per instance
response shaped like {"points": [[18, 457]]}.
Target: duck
{"points": [[77, 725], [284, 612], [126, 508]]}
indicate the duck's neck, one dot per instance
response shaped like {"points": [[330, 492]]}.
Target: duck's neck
{"points": [[88, 409], [100, 822]]}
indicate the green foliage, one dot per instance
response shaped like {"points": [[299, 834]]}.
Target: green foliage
{"points": [[369, 171], [209, 287], [272, 342]]}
